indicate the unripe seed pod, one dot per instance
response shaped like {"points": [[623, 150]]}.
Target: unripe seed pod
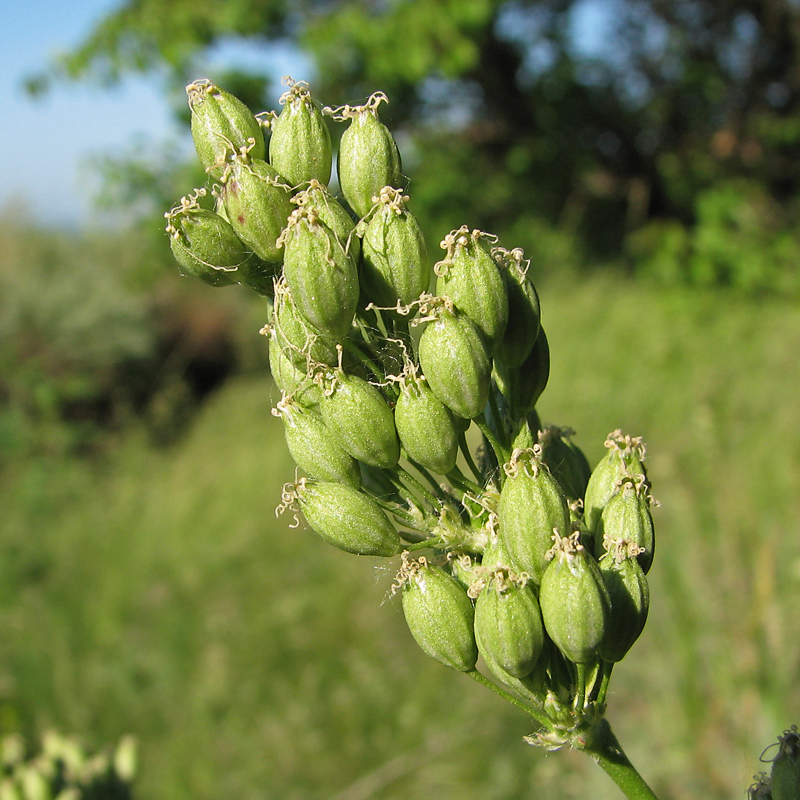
{"points": [[785, 775], [469, 276], [531, 507], [522, 387], [205, 245], [300, 144], [425, 426], [361, 419], [523, 309], [314, 448], [332, 213], [574, 601], [625, 458], [347, 518], [440, 616], [290, 379], [627, 516], [508, 625], [222, 126], [565, 460], [395, 264], [455, 363], [630, 600], [257, 203], [300, 341], [320, 273]]}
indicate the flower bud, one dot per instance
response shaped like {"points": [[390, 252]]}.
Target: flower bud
{"points": [[320, 273], [627, 516], [625, 458], [469, 276], [222, 126], [455, 363], [368, 156], [574, 600], [395, 258], [523, 386], [314, 448], [361, 419], [347, 518], [523, 309], [425, 426], [630, 599], [531, 507], [508, 624], [300, 144], [785, 775], [257, 204], [439, 615]]}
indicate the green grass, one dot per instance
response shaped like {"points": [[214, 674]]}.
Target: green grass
{"points": [[155, 592]]}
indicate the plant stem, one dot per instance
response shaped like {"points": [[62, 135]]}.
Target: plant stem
{"points": [[607, 752], [499, 451], [483, 680], [462, 443]]}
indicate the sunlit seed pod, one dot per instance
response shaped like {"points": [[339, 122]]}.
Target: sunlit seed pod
{"points": [[574, 601], [625, 458], [532, 505], [222, 126], [630, 600], [523, 386], [205, 245], [347, 518], [300, 142], [300, 341], [566, 461], [508, 625], [395, 264], [425, 426], [314, 448], [470, 277], [332, 213], [320, 273], [523, 309], [455, 363], [361, 419], [257, 202], [627, 516], [440, 616], [368, 156], [291, 380], [785, 773]]}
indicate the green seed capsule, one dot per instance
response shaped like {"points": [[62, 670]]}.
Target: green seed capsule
{"points": [[222, 125], [522, 387], [785, 775], [347, 518], [574, 601], [625, 458], [469, 276], [300, 341], [361, 419], [320, 273], [332, 213], [627, 516], [257, 202], [630, 600], [508, 625], [290, 379], [395, 258], [531, 507], [314, 448], [205, 245], [523, 309], [425, 426], [440, 616], [455, 363], [368, 156], [300, 144]]}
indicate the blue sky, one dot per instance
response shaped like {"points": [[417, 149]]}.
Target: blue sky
{"points": [[48, 143]]}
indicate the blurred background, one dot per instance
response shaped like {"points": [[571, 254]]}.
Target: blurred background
{"points": [[645, 155]]}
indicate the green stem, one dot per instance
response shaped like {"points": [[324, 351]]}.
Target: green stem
{"points": [[607, 752], [462, 482], [484, 681], [499, 451], [415, 484], [428, 477], [464, 447], [426, 544], [498, 419]]}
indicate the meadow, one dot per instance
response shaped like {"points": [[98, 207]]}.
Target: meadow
{"points": [[151, 590]]}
